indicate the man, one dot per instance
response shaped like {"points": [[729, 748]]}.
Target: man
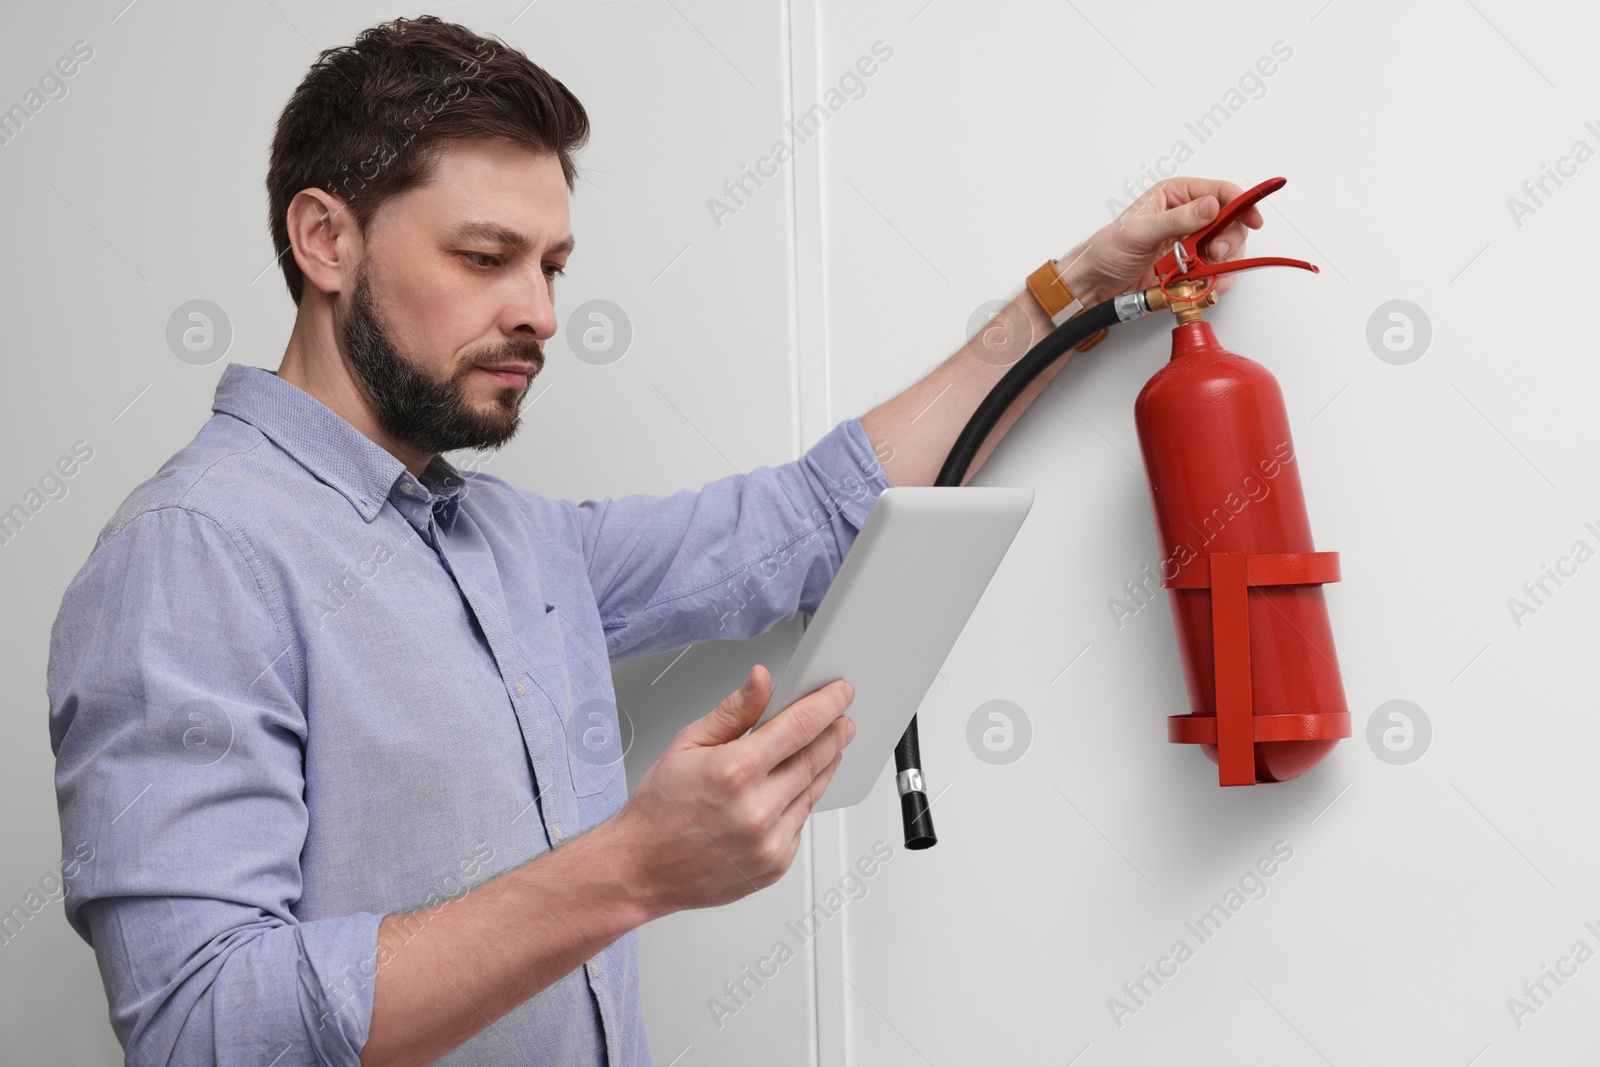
{"points": [[337, 719]]}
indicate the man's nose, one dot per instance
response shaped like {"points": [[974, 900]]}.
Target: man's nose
{"points": [[535, 309]]}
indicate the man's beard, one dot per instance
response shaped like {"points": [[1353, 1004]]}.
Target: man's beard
{"points": [[430, 416]]}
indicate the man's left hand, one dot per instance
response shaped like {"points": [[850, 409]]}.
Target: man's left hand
{"points": [[1121, 254]]}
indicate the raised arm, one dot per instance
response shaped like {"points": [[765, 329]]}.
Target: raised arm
{"points": [[727, 560], [915, 430]]}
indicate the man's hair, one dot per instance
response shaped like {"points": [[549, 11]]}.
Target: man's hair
{"points": [[370, 119]]}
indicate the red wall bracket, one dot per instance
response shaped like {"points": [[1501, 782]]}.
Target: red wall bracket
{"points": [[1236, 728]]}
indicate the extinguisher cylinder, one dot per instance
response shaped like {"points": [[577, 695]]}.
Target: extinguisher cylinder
{"points": [[1223, 478]]}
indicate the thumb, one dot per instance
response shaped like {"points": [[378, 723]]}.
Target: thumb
{"points": [[1157, 229], [729, 720]]}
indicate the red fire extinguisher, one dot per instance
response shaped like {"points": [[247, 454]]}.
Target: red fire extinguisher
{"points": [[1244, 580]]}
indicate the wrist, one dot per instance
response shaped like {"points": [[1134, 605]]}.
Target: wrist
{"points": [[1064, 289], [614, 874], [1073, 270]]}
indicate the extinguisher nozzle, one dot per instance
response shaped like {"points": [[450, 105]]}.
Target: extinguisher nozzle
{"points": [[918, 819]]}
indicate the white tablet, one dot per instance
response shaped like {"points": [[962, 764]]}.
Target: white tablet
{"points": [[903, 595]]}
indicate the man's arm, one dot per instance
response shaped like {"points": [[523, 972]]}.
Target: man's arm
{"points": [[179, 747], [914, 431], [717, 817], [178, 736], [726, 561]]}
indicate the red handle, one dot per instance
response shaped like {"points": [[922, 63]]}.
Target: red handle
{"points": [[1187, 258]]}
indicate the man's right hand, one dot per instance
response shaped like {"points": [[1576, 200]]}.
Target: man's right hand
{"points": [[719, 815]]}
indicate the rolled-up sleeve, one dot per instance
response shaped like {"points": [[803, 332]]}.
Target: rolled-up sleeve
{"points": [[179, 744], [733, 558]]}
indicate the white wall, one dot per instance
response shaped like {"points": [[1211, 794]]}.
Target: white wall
{"points": [[1419, 897]]}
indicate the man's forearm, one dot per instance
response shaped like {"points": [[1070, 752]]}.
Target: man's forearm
{"points": [[921, 424], [446, 972]]}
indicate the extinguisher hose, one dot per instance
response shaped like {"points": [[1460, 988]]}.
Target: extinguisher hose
{"points": [[1022, 373], [914, 803]]}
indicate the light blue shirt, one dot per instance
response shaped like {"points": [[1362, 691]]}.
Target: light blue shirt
{"points": [[293, 690]]}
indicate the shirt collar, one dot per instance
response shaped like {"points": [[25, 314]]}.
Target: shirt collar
{"points": [[326, 445]]}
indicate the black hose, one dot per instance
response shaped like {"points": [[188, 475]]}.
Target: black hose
{"points": [[914, 805]]}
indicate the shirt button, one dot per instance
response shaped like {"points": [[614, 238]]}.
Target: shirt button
{"points": [[407, 488], [555, 832], [594, 969], [520, 690]]}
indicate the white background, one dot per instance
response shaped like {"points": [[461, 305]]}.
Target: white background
{"points": [[1418, 898]]}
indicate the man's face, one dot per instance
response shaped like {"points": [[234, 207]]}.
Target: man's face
{"points": [[458, 276]]}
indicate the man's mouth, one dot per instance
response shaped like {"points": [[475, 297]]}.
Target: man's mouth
{"points": [[512, 375]]}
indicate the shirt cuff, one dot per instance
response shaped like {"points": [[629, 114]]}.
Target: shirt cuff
{"points": [[342, 955]]}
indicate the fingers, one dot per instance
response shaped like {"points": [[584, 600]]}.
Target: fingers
{"points": [[1229, 244], [1194, 202], [793, 819], [729, 720], [800, 723], [791, 777], [1156, 229], [1191, 189]]}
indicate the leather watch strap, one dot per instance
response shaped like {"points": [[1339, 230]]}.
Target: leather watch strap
{"points": [[1058, 302]]}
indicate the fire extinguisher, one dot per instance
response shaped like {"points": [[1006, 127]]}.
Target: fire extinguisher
{"points": [[1245, 583], [1243, 578]]}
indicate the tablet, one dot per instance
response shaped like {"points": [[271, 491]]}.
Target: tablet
{"points": [[902, 596]]}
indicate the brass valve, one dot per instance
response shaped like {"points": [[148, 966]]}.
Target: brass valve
{"points": [[1186, 309]]}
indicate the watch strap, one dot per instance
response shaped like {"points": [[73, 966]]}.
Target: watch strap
{"points": [[1058, 301]]}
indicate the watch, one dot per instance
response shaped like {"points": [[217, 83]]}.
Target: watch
{"points": [[1058, 302]]}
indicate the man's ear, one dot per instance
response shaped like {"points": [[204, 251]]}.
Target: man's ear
{"points": [[324, 240]]}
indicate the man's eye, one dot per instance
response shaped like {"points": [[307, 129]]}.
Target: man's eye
{"points": [[553, 271], [475, 256]]}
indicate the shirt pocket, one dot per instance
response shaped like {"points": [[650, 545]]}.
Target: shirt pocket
{"points": [[589, 727]]}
